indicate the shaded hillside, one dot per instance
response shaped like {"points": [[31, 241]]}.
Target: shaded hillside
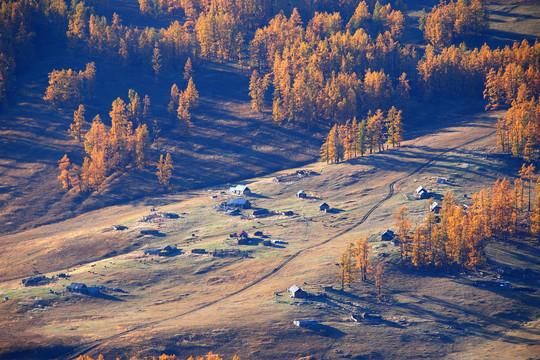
{"points": [[229, 141]]}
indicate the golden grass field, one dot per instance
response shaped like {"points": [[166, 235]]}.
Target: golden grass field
{"points": [[191, 304]]}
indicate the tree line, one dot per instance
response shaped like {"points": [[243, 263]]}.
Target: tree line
{"points": [[331, 70], [354, 138], [518, 131], [345, 61], [458, 236]]}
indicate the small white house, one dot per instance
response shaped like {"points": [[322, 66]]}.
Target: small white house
{"points": [[240, 190]]}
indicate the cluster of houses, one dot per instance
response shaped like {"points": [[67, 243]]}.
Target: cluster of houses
{"points": [[244, 239], [324, 207]]}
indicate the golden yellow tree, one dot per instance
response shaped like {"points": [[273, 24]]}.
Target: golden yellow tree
{"points": [[361, 252], [332, 149], [164, 173], [142, 146], [64, 165], [77, 127], [404, 226], [527, 173], [346, 266], [184, 118], [191, 95], [188, 69], [175, 98]]}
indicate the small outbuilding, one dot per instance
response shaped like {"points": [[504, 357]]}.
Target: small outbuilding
{"points": [[421, 193], [435, 207], [295, 292], [240, 190], [239, 204], [242, 234], [301, 194], [261, 212], [246, 241], [441, 181], [324, 207], [77, 288], [305, 323], [388, 235]]}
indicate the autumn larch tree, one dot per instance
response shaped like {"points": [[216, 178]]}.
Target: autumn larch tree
{"points": [[191, 95], [142, 146], [361, 139], [347, 266], [120, 134], [332, 149], [134, 107], [188, 69], [389, 124], [64, 166], [527, 173], [360, 18], [175, 99], [404, 226], [90, 78], [184, 117], [157, 61], [76, 129], [397, 127], [257, 88], [164, 173], [361, 252]]}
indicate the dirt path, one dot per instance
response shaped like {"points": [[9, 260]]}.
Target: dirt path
{"points": [[391, 192]]}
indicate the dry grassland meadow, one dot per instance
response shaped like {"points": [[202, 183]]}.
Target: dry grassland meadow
{"points": [[231, 299]]}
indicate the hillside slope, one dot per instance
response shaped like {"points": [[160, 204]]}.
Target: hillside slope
{"points": [[191, 304], [229, 141]]}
